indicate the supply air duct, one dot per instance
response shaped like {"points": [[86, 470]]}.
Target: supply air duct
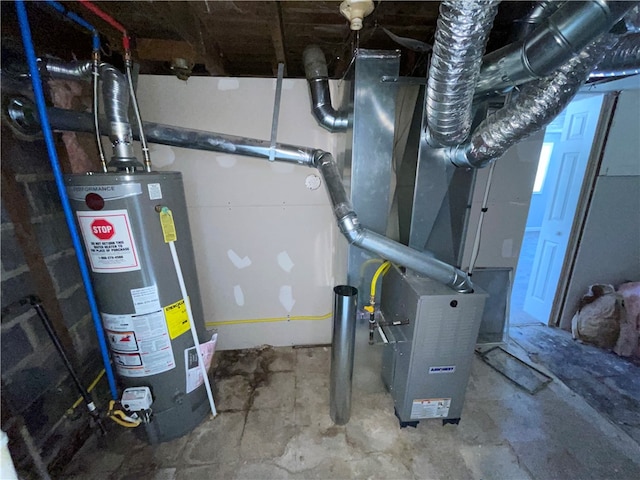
{"points": [[315, 67], [536, 16], [460, 40], [537, 104], [624, 58], [559, 37], [116, 101], [421, 262]]}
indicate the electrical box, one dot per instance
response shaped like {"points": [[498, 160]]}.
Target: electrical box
{"points": [[432, 333]]}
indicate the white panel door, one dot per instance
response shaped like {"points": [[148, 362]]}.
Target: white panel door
{"points": [[566, 170]]}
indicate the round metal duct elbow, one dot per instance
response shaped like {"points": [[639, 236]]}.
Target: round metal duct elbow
{"points": [[315, 67]]}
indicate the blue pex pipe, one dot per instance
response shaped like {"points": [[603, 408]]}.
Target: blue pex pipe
{"points": [[79, 20], [27, 41]]}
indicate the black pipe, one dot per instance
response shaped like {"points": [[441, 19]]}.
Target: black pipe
{"points": [[46, 321]]}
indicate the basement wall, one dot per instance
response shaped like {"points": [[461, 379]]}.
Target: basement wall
{"points": [[38, 259], [267, 247]]}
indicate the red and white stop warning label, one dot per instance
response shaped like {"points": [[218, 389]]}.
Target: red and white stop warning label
{"points": [[102, 228], [109, 241]]}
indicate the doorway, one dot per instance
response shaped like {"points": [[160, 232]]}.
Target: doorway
{"points": [[559, 179]]}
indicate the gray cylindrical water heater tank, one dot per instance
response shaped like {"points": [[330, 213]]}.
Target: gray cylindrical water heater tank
{"points": [[137, 289]]}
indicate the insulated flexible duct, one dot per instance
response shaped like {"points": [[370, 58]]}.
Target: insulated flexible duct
{"points": [[315, 68], [460, 40], [558, 38], [624, 58], [537, 105]]}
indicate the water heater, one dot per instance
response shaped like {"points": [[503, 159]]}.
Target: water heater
{"points": [[136, 287]]}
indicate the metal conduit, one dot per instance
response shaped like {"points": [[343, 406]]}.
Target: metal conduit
{"points": [[422, 263], [558, 38]]}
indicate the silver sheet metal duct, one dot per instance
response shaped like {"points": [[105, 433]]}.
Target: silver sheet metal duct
{"points": [[345, 304], [115, 94], [460, 41], [315, 67], [536, 16], [538, 103], [422, 263], [558, 38], [623, 59]]}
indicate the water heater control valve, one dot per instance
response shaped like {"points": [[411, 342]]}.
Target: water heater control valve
{"points": [[136, 399]]}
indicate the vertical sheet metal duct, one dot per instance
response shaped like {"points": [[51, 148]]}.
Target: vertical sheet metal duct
{"points": [[461, 37], [342, 351]]}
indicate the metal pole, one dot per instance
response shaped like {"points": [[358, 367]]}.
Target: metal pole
{"points": [[342, 350]]}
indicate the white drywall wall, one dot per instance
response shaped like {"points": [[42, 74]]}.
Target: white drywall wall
{"points": [[267, 247]]}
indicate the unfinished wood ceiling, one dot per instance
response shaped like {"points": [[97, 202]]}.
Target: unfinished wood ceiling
{"points": [[250, 38]]}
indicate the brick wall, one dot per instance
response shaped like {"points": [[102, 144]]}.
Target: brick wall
{"points": [[37, 258]]}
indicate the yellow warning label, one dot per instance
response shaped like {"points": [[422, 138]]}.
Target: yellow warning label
{"points": [[177, 319], [168, 227]]}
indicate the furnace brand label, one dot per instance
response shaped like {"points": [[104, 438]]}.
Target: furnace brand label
{"points": [[447, 369], [430, 408], [140, 344], [109, 241]]}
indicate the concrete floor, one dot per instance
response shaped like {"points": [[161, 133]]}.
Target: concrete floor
{"points": [[274, 423]]}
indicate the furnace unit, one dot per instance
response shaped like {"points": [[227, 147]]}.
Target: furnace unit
{"points": [[432, 332]]}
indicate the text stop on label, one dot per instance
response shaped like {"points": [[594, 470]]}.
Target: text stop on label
{"points": [[102, 229]]}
